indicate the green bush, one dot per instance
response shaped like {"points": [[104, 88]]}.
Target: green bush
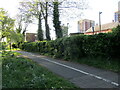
{"points": [[96, 45], [73, 47], [3, 45], [14, 45], [79, 46]]}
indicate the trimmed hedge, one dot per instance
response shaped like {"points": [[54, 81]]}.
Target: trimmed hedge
{"points": [[79, 46]]}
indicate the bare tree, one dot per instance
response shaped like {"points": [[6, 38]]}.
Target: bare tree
{"points": [[72, 9], [22, 22], [45, 6], [39, 10], [69, 9]]}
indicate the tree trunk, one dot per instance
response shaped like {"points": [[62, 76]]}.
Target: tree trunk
{"points": [[56, 21], [40, 32], [46, 23]]}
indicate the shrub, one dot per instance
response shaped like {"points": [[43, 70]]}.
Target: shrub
{"points": [[73, 47], [3, 45], [14, 45], [79, 46]]}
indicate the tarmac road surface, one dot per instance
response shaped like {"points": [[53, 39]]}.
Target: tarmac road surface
{"points": [[82, 76]]}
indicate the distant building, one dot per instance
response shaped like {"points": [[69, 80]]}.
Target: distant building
{"points": [[119, 6], [117, 16], [84, 25], [31, 37], [105, 28]]}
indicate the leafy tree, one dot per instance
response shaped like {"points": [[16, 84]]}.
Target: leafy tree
{"points": [[7, 29], [6, 24], [33, 8], [56, 21], [69, 10], [116, 31], [16, 37]]}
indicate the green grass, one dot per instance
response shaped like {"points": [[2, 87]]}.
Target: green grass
{"points": [[8, 53], [13, 49], [102, 63], [20, 72]]}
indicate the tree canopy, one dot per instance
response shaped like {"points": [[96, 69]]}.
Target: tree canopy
{"points": [[39, 10], [7, 28], [6, 24]]}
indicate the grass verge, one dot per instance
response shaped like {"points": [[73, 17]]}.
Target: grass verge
{"points": [[9, 53], [18, 72], [98, 62], [102, 63]]}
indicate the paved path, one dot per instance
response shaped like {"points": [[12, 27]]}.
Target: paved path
{"points": [[81, 75]]}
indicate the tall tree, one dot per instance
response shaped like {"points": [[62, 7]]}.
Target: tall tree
{"points": [[40, 32], [22, 22], [27, 19], [7, 28], [6, 24], [33, 8], [37, 9], [46, 22], [19, 20], [45, 15], [56, 21]]}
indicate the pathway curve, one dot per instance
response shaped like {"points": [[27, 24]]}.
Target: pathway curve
{"points": [[81, 75]]}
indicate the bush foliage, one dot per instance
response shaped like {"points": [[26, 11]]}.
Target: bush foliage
{"points": [[3, 45], [79, 46]]}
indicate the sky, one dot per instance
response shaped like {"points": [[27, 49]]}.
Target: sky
{"points": [[107, 7]]}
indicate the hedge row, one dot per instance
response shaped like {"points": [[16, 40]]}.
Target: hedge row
{"points": [[76, 47]]}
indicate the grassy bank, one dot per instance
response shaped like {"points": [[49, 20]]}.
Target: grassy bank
{"points": [[103, 63], [9, 53], [19, 72], [98, 62]]}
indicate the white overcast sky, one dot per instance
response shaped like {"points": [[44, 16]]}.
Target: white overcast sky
{"points": [[107, 7]]}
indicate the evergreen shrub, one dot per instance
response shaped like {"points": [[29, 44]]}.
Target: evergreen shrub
{"points": [[79, 46]]}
